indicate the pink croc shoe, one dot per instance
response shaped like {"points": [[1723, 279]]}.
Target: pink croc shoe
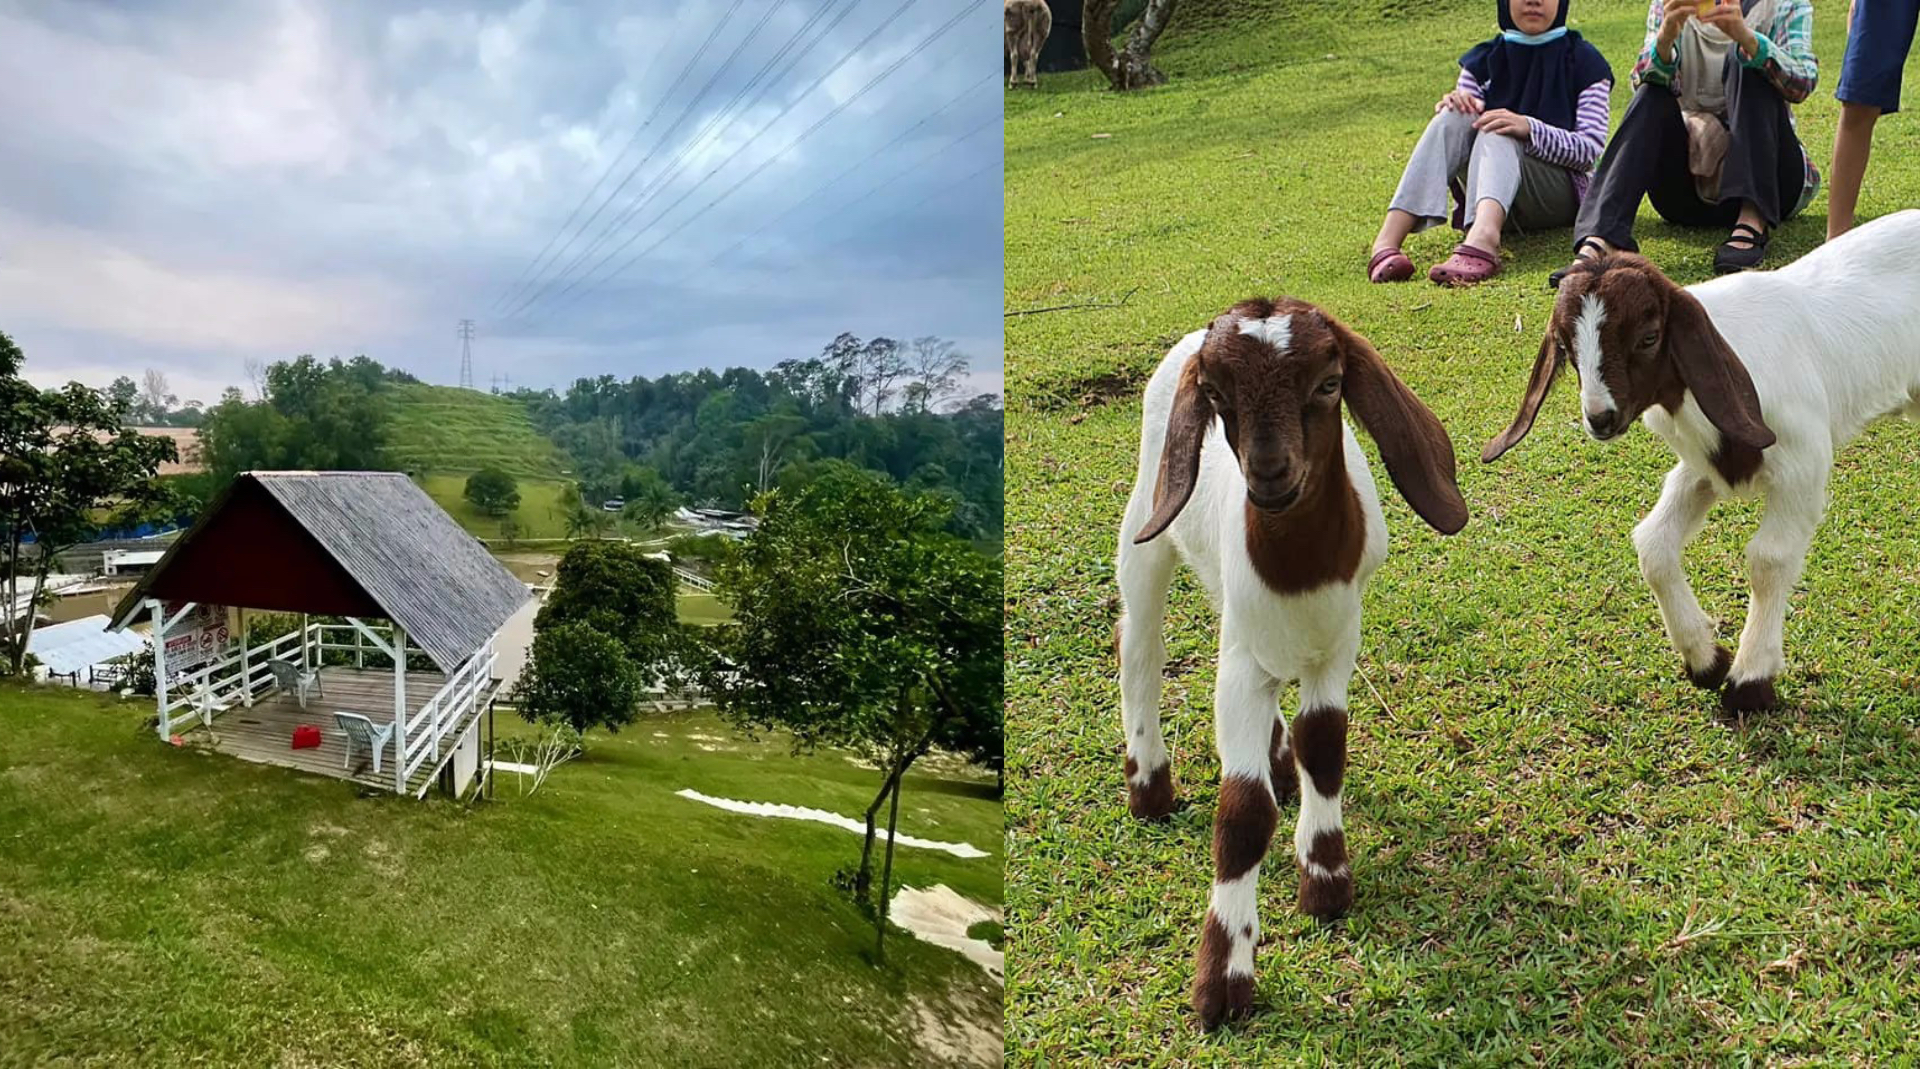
{"points": [[1466, 267], [1389, 265]]}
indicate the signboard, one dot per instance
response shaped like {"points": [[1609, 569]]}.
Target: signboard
{"points": [[200, 637]]}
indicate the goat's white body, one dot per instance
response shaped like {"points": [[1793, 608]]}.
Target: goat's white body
{"points": [[1832, 343], [1266, 638]]}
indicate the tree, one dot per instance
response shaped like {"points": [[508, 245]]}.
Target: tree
{"points": [[860, 622], [618, 590], [66, 457], [578, 676], [935, 366], [321, 417], [493, 492], [649, 500], [157, 400], [1132, 67], [880, 363]]}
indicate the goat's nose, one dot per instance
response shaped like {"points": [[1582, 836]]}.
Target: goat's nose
{"points": [[1604, 422], [1276, 472]]}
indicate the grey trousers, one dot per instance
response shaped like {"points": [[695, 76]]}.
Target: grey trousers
{"points": [[1536, 195]]}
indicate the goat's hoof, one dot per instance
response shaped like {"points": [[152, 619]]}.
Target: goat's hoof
{"points": [[1714, 674], [1751, 696], [1218, 996], [1155, 801], [1325, 896]]}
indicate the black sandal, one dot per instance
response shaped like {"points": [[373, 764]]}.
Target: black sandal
{"points": [[1729, 258], [1553, 280]]}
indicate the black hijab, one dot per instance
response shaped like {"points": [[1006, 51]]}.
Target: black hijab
{"points": [[1542, 81]]}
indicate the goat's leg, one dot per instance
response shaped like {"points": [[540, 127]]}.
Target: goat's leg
{"points": [[1660, 539], [1775, 557], [1320, 752], [1242, 830], [1144, 573]]}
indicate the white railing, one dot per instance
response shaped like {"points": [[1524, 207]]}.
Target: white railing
{"points": [[698, 582], [446, 710], [218, 686]]}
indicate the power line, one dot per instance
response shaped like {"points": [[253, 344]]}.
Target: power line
{"points": [[653, 189], [712, 35], [993, 122], [615, 162], [809, 131]]}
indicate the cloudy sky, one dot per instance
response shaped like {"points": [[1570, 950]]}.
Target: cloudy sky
{"points": [[188, 185]]}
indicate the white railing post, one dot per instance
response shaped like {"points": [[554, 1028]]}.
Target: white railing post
{"points": [[160, 665], [359, 650], [246, 671], [399, 709]]}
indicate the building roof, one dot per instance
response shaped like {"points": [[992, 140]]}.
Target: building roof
{"points": [[79, 644], [341, 543]]}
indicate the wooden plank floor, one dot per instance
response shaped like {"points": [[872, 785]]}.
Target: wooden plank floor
{"points": [[264, 733]]}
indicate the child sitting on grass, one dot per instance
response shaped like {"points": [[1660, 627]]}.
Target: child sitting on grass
{"points": [[1514, 142]]}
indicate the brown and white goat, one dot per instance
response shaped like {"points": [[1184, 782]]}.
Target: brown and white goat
{"points": [[1027, 24], [1754, 380], [1257, 482]]}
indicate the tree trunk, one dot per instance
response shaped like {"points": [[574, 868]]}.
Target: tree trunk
{"points": [[1133, 67], [886, 879], [1096, 25], [1136, 68], [864, 879]]}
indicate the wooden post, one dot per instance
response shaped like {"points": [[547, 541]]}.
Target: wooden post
{"points": [[359, 649], [246, 673], [399, 709], [306, 663], [160, 665]]}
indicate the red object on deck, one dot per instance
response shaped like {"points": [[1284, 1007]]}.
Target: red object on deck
{"points": [[305, 737]]}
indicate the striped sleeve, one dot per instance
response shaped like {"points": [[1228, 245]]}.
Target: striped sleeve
{"points": [[1650, 68], [1785, 54], [1576, 149], [1470, 85]]}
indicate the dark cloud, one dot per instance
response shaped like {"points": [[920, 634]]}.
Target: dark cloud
{"points": [[190, 185]]}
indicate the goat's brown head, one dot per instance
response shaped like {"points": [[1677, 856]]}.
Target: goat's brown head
{"points": [[1275, 374], [1636, 340]]}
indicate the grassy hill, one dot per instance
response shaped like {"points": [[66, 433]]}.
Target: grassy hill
{"points": [[443, 434], [446, 429], [166, 906], [1560, 857]]}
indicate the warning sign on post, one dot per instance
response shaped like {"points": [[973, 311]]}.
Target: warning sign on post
{"points": [[198, 639]]}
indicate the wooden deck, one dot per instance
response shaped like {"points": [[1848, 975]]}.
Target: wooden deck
{"points": [[264, 733]]}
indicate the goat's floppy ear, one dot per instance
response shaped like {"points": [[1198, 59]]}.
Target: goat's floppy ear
{"points": [[1180, 455], [1546, 367], [1718, 381], [1413, 444]]}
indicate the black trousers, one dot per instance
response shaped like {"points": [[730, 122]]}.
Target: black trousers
{"points": [[1648, 158]]}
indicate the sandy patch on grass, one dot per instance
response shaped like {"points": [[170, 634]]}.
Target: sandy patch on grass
{"points": [[956, 1039], [941, 916], [794, 812]]}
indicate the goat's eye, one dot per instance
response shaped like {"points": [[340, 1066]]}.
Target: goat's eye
{"points": [[1650, 339], [1331, 386], [1213, 394]]}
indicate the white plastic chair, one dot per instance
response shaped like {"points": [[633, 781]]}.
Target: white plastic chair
{"points": [[295, 681], [361, 730]]}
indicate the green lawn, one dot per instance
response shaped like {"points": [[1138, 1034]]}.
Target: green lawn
{"points": [[1560, 857], [442, 428], [539, 514], [163, 906]]}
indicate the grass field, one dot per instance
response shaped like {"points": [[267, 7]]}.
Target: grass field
{"points": [[539, 514], [1560, 857], [164, 907]]}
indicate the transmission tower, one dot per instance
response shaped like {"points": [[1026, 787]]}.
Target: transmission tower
{"points": [[466, 354]]}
